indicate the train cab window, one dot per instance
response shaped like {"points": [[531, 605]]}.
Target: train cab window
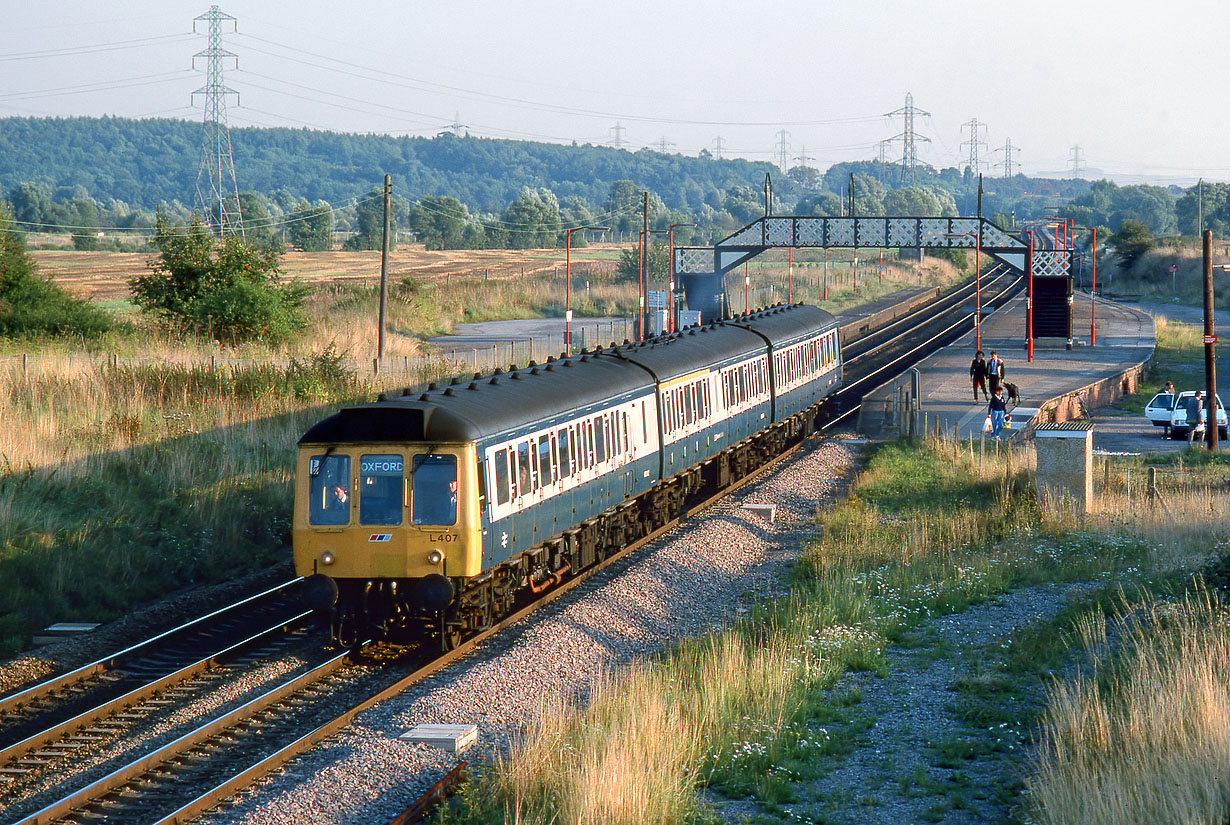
{"points": [[501, 477], [329, 489], [434, 495], [380, 489], [565, 454]]}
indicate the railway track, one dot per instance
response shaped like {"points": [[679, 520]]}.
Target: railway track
{"points": [[196, 770]]}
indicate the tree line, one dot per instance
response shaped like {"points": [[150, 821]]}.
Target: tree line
{"points": [[98, 178]]}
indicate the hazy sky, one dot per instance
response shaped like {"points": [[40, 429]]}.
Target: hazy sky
{"points": [[1133, 84]]}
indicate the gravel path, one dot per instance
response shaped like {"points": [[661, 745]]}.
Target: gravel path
{"points": [[699, 576], [920, 760]]}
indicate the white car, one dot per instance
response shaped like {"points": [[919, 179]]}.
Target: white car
{"points": [[1160, 409], [1179, 424]]}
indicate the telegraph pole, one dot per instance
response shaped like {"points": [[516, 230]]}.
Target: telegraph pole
{"points": [[1210, 340], [384, 268], [644, 259], [217, 163]]}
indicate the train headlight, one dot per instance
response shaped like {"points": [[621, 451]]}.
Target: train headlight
{"points": [[327, 558], [435, 557]]}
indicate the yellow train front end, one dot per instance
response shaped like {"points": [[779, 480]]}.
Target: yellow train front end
{"points": [[385, 534]]}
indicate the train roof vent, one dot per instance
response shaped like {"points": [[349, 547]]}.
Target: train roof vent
{"points": [[424, 397], [456, 381], [691, 332], [584, 358], [477, 376], [568, 362], [449, 392], [532, 363], [494, 380], [550, 367], [534, 370], [497, 371], [473, 385], [407, 392], [433, 386], [384, 396], [516, 376]]}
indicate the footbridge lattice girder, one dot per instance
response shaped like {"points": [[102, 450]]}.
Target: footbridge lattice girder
{"points": [[851, 232]]}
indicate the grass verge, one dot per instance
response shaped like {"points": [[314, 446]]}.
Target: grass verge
{"points": [[752, 713]]}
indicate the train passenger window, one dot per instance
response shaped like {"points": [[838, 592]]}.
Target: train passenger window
{"points": [[599, 442], [535, 475], [381, 489], [524, 479], [565, 454], [689, 402], [501, 476], [329, 489], [626, 443], [589, 444], [434, 495], [644, 423], [544, 460]]}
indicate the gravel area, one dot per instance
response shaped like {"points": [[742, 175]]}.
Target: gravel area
{"points": [[919, 761], [701, 575], [63, 656]]}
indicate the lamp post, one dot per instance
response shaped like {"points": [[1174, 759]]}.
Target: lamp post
{"points": [[568, 277], [977, 236], [670, 315], [1029, 299]]}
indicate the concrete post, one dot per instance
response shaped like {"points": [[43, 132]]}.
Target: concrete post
{"points": [[1065, 463]]}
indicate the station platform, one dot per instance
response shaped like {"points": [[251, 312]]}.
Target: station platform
{"points": [[1053, 387]]}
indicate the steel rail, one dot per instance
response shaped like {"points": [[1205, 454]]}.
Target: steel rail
{"points": [[115, 660], [90, 717]]}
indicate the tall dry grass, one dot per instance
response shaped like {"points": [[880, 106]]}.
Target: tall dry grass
{"points": [[638, 751], [1142, 734]]}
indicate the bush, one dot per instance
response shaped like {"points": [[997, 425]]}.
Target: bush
{"points": [[226, 290], [31, 306]]}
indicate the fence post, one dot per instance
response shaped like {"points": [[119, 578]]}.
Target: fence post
{"points": [[1152, 485]]}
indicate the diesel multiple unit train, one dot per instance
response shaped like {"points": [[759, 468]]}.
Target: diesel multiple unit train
{"points": [[432, 514]]}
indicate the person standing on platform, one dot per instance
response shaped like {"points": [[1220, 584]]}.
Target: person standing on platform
{"points": [[978, 376], [995, 371], [1193, 406], [998, 408]]}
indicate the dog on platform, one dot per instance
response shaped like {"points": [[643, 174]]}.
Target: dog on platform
{"points": [[1014, 393]]}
